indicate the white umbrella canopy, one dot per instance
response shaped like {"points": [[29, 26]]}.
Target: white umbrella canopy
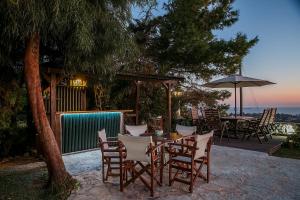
{"points": [[237, 81]]}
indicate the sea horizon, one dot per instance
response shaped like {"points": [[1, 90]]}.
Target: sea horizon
{"points": [[291, 110]]}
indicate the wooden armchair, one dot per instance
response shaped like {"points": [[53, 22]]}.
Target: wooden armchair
{"points": [[214, 123], [110, 155], [142, 157], [258, 127], [191, 160]]}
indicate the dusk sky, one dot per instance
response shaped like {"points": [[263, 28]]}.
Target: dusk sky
{"points": [[276, 57]]}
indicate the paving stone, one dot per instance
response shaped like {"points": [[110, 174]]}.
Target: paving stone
{"points": [[236, 174]]}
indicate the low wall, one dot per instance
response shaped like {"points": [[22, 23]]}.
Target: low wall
{"points": [[79, 131]]}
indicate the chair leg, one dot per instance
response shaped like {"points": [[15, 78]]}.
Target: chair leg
{"points": [[121, 177], [227, 134], [256, 133], [108, 171], [222, 132], [152, 179], [208, 169], [170, 173], [103, 168], [191, 178]]}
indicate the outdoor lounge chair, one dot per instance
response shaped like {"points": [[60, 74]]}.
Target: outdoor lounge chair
{"points": [[142, 157], [271, 121], [191, 160], [213, 122], [258, 127], [110, 155], [136, 130]]}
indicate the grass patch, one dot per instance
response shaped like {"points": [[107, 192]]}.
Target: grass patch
{"points": [[30, 184], [288, 153]]}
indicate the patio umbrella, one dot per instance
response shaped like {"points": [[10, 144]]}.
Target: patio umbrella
{"points": [[237, 81]]}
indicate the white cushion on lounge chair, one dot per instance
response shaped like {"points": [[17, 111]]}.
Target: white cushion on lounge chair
{"points": [[186, 130], [136, 130], [136, 147]]}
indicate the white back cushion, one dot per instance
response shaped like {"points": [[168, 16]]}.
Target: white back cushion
{"points": [[202, 141], [102, 135], [136, 147], [136, 130]]}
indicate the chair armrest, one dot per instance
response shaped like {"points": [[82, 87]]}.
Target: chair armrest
{"points": [[173, 150], [111, 143], [112, 138], [189, 139], [111, 150], [156, 148], [146, 134]]}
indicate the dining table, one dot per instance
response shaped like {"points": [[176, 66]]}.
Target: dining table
{"points": [[235, 120]]}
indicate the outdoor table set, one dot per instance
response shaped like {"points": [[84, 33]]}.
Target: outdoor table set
{"points": [[235, 120], [133, 155]]}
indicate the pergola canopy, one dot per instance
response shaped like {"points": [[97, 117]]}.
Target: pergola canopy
{"points": [[149, 77], [167, 81], [52, 75]]}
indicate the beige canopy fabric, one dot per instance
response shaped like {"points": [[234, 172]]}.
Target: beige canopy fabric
{"points": [[237, 81]]}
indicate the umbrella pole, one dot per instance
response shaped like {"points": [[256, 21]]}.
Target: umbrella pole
{"points": [[235, 100]]}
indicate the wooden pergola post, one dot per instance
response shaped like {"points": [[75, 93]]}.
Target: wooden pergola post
{"points": [[168, 87], [52, 100], [137, 100], [167, 81]]}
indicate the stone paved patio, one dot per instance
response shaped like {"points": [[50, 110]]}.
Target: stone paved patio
{"points": [[236, 174]]}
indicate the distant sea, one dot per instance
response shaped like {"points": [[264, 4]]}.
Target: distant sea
{"points": [[280, 110]]}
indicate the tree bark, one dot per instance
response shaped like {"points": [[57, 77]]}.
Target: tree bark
{"points": [[58, 175]]}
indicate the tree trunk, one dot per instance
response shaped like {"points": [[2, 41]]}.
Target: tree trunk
{"points": [[58, 175]]}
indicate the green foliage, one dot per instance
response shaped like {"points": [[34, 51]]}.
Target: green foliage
{"points": [[12, 101], [14, 136], [183, 41], [89, 36], [295, 137]]}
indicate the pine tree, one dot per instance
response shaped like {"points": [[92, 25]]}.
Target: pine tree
{"points": [[87, 35], [183, 39]]}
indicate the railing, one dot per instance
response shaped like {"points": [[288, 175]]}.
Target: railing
{"points": [[68, 99]]}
